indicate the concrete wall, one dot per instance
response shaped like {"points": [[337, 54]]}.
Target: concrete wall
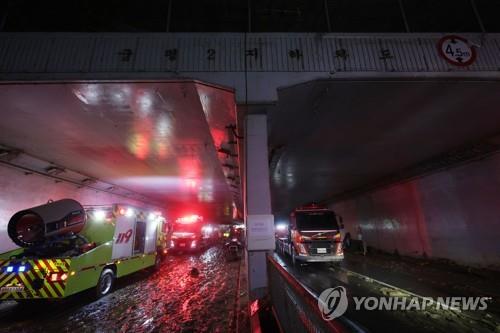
{"points": [[453, 214], [19, 191]]}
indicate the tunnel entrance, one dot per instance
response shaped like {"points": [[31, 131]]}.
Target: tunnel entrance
{"points": [[163, 143]]}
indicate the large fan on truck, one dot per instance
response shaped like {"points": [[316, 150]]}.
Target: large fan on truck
{"points": [[33, 226]]}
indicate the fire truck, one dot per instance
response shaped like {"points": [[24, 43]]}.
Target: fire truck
{"points": [[65, 248], [313, 235], [190, 234]]}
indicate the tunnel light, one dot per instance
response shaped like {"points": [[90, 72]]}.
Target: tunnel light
{"points": [[281, 227], [145, 101], [191, 183], [130, 212], [81, 97], [99, 215]]}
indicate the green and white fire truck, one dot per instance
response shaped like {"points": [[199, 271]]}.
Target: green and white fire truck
{"points": [[66, 248]]}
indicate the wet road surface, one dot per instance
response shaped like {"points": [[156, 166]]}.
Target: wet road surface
{"points": [[319, 277], [170, 300]]}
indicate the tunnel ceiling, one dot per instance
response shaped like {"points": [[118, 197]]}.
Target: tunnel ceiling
{"points": [[331, 137], [156, 138]]}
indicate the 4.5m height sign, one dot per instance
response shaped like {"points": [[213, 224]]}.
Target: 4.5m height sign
{"points": [[456, 50]]}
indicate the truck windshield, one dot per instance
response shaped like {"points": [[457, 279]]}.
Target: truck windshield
{"points": [[316, 221]]}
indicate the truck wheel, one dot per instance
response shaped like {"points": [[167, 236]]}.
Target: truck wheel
{"points": [[106, 282]]}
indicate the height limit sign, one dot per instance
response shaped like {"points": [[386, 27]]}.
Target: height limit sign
{"points": [[456, 50]]}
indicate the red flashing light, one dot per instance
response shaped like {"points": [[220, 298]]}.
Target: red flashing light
{"points": [[189, 219]]}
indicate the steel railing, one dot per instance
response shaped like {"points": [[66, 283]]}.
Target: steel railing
{"points": [[295, 305]]}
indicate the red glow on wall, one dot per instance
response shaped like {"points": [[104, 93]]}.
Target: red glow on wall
{"points": [[189, 167]]}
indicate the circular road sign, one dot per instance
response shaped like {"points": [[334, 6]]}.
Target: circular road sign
{"points": [[456, 50]]}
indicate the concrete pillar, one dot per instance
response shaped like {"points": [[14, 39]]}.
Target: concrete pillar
{"points": [[257, 200]]}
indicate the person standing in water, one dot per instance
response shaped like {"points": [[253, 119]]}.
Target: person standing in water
{"points": [[362, 240]]}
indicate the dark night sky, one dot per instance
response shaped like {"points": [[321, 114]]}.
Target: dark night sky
{"points": [[232, 15]]}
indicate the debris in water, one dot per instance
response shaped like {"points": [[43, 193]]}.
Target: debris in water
{"points": [[194, 272]]}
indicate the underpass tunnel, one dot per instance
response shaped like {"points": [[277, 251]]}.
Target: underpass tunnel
{"points": [[164, 145], [409, 168], [409, 163], [413, 163]]}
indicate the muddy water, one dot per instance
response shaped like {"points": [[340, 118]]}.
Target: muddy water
{"points": [[170, 300]]}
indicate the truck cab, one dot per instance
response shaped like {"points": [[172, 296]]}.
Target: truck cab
{"points": [[314, 235], [190, 233]]}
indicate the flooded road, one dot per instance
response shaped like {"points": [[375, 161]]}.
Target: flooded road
{"points": [[170, 300], [318, 277]]}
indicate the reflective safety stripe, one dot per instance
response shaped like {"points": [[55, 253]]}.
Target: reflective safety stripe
{"points": [[42, 274], [2, 264], [51, 265], [39, 272], [7, 278], [42, 264]]}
